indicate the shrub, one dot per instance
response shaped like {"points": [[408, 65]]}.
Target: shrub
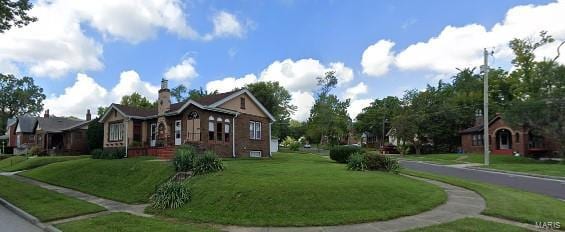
{"points": [[207, 163], [97, 153], [170, 195], [110, 153], [291, 143], [35, 151], [356, 162], [184, 158], [341, 153], [390, 164], [404, 149], [374, 161]]}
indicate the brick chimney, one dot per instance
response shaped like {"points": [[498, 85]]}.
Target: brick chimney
{"points": [[88, 115], [46, 114], [164, 101]]}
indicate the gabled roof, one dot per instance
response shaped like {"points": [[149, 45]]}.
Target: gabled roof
{"points": [[26, 124], [479, 128], [133, 111], [242, 91], [57, 124]]}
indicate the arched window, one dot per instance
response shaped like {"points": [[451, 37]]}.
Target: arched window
{"points": [[227, 130], [211, 126], [193, 127]]}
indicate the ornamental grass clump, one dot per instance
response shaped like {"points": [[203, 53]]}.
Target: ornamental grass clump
{"points": [[207, 163], [357, 162], [171, 195], [184, 158]]}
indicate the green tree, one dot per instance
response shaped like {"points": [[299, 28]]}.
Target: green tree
{"points": [[14, 14], [136, 100], [18, 97], [181, 93], [328, 121], [95, 134], [380, 112], [276, 100], [101, 111]]}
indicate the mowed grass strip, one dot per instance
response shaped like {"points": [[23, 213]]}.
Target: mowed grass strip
{"points": [[471, 225], [125, 222], [10, 162], [130, 180], [507, 202], [302, 190], [44, 204], [38, 161]]}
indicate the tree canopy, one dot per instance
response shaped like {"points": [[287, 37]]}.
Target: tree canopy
{"points": [[136, 100], [277, 101], [181, 93], [19, 96], [14, 14]]}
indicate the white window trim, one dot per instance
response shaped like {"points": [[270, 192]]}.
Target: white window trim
{"points": [[255, 154], [254, 130]]}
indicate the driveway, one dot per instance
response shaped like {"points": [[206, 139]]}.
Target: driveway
{"points": [[549, 187], [13, 223]]}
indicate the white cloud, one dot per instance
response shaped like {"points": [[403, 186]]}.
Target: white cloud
{"points": [[355, 91], [303, 102], [57, 44], [377, 58], [230, 83], [301, 75], [86, 93], [357, 105], [457, 47], [183, 71], [225, 25]]}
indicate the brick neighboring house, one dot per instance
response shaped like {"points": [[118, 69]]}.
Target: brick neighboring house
{"points": [[505, 139], [51, 134], [232, 124]]}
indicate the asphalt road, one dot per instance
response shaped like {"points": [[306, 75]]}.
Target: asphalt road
{"points": [[13, 223], [554, 188]]}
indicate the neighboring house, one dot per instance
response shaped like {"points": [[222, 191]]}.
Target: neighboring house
{"points": [[51, 134], [232, 124], [505, 139], [369, 139], [392, 139]]}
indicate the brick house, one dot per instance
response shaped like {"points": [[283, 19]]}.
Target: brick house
{"points": [[232, 124], [506, 139], [51, 134]]}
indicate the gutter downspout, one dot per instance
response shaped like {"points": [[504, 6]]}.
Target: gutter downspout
{"points": [[127, 140], [270, 140], [233, 136]]}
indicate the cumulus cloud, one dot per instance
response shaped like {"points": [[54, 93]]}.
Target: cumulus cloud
{"points": [[225, 24], [230, 83], [86, 93], [356, 90], [457, 47], [357, 105], [183, 71], [377, 58], [303, 101]]}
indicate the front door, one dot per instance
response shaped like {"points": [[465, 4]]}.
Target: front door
{"points": [[153, 139], [504, 140], [178, 127]]}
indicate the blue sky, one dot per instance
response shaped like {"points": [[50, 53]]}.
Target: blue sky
{"points": [[322, 32]]}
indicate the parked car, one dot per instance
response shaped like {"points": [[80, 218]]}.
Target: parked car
{"points": [[389, 149], [307, 146]]}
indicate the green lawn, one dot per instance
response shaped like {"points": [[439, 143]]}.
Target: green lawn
{"points": [[130, 180], [302, 190], [470, 225], [509, 203], [8, 163], [500, 162], [125, 222], [24, 163], [44, 204]]}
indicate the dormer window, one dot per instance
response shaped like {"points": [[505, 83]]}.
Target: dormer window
{"points": [[242, 103]]}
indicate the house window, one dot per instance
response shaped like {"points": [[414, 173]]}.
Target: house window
{"points": [[256, 154], [211, 128], [227, 130], [242, 103], [219, 131], [116, 132], [254, 130]]}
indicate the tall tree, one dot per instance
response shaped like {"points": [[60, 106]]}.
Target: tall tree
{"points": [[14, 14], [136, 100], [277, 101], [18, 97], [377, 116], [181, 93], [328, 121]]}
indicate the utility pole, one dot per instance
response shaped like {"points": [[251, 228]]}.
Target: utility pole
{"points": [[486, 139]]}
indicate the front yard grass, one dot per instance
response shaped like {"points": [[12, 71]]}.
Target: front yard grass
{"points": [[470, 225], [126, 222], [10, 162], [500, 162], [130, 180], [302, 190], [26, 163], [44, 204], [507, 202]]}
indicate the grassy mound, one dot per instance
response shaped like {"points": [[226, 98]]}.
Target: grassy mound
{"points": [[23, 163], [302, 190], [129, 180], [44, 204]]}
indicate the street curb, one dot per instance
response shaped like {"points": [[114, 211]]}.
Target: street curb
{"points": [[558, 178], [28, 217]]}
